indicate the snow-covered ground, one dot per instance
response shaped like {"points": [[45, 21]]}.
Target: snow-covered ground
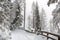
{"points": [[22, 35]]}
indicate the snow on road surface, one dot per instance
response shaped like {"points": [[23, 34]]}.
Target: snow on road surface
{"points": [[22, 35]]}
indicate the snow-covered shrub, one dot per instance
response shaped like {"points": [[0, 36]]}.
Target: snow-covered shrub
{"points": [[5, 34]]}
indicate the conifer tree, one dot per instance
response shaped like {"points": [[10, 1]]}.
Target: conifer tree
{"points": [[17, 21], [36, 17], [5, 20]]}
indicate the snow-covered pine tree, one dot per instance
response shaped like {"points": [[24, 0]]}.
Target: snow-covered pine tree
{"points": [[36, 17], [56, 18], [43, 19], [5, 33], [30, 24], [51, 1], [18, 18], [17, 22]]}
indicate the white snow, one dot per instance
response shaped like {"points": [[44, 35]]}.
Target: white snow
{"points": [[22, 35]]}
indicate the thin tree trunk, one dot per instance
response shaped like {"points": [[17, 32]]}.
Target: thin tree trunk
{"points": [[24, 12]]}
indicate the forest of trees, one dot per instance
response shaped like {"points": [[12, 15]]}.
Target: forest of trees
{"points": [[39, 18], [35, 23], [11, 18]]}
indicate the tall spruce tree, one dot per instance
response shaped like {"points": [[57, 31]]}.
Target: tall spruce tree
{"points": [[36, 17], [5, 20], [18, 17], [43, 19]]}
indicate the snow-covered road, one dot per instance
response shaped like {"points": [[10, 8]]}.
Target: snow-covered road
{"points": [[22, 35]]}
